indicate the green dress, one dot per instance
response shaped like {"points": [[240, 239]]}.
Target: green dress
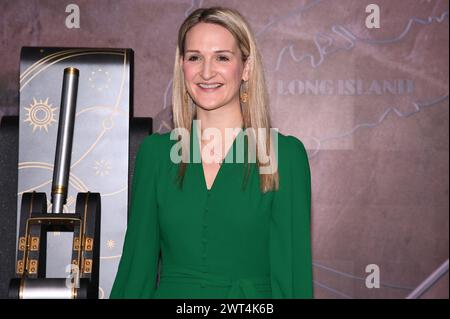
{"points": [[226, 242]]}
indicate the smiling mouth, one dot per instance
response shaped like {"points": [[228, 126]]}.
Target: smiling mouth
{"points": [[209, 85]]}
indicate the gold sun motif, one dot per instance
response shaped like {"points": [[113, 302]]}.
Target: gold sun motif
{"points": [[102, 167], [111, 244], [40, 114]]}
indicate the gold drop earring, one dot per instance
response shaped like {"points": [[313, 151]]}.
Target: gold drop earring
{"points": [[244, 93]]}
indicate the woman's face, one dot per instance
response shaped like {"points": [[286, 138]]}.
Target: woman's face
{"points": [[213, 67]]}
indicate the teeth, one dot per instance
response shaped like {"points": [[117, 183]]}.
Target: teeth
{"points": [[209, 86]]}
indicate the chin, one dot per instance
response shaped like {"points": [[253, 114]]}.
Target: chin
{"points": [[209, 107]]}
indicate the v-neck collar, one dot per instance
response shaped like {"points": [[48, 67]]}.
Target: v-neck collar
{"points": [[197, 159]]}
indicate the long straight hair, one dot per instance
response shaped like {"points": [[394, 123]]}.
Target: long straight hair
{"points": [[255, 111]]}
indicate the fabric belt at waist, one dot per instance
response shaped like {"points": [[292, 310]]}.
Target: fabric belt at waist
{"points": [[248, 286]]}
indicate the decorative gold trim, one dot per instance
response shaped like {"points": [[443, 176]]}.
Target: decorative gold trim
{"points": [[38, 63], [22, 243], [40, 219], [34, 244], [19, 267], [89, 243], [21, 288], [72, 70], [76, 243], [27, 236], [74, 180], [59, 189], [33, 266], [47, 65], [87, 266], [82, 234], [110, 257], [59, 54]]}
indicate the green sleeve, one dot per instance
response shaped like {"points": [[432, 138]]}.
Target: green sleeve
{"points": [[138, 267], [290, 230]]}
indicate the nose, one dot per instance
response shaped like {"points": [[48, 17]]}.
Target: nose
{"points": [[207, 71]]}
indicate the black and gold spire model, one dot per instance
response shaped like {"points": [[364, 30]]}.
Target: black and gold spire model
{"points": [[31, 281]]}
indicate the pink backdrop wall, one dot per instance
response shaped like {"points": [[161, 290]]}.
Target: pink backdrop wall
{"points": [[371, 106]]}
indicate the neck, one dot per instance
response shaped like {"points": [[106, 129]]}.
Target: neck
{"points": [[221, 118]]}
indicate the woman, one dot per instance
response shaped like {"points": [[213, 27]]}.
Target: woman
{"points": [[225, 228]]}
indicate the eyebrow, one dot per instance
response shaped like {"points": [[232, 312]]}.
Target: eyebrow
{"points": [[218, 51]]}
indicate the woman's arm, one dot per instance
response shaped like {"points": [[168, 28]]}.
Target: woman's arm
{"points": [[290, 229], [137, 273]]}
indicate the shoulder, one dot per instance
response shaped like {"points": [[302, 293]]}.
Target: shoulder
{"points": [[155, 143], [153, 148], [150, 155], [156, 140], [293, 160], [291, 148]]}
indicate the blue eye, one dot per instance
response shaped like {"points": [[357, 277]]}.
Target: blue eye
{"points": [[223, 58], [193, 58]]}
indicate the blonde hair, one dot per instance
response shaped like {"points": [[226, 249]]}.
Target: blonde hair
{"points": [[255, 111]]}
